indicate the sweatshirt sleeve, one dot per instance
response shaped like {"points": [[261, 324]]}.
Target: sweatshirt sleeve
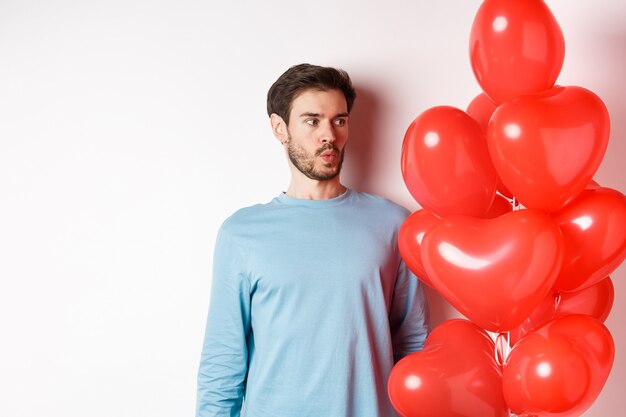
{"points": [[223, 364], [409, 317]]}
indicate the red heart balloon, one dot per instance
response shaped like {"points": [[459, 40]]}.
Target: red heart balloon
{"points": [[547, 146], [594, 228], [454, 375], [595, 301], [446, 165], [410, 238], [494, 271], [558, 369], [516, 47]]}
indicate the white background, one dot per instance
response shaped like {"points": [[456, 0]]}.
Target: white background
{"points": [[131, 129]]}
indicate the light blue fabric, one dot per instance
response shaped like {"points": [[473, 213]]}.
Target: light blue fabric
{"points": [[308, 297]]}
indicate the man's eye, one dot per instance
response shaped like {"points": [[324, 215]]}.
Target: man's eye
{"points": [[340, 122], [312, 122]]}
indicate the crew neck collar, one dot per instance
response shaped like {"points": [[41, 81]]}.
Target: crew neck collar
{"points": [[294, 201]]}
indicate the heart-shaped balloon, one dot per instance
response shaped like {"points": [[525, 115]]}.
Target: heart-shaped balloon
{"points": [[410, 238], [454, 375], [516, 47], [595, 301], [594, 230], [558, 369], [446, 164], [547, 146], [494, 271]]}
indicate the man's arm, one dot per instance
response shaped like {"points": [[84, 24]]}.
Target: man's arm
{"points": [[223, 364], [409, 317]]}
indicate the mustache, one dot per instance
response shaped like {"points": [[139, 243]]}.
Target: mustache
{"points": [[327, 147]]}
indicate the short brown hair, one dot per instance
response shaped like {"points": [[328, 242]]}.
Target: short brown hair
{"points": [[303, 77]]}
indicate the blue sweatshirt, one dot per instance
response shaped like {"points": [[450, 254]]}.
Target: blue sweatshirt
{"points": [[311, 305]]}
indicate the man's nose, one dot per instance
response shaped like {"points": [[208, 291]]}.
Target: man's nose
{"points": [[328, 135]]}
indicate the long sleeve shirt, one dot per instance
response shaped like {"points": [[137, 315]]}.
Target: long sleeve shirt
{"points": [[311, 306]]}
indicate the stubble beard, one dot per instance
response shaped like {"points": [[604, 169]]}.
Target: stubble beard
{"points": [[305, 162]]}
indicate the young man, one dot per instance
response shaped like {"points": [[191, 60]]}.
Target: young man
{"points": [[311, 303]]}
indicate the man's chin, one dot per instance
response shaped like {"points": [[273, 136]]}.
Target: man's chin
{"points": [[328, 174]]}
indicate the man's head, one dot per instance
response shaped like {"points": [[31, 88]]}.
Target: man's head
{"points": [[302, 77], [308, 107]]}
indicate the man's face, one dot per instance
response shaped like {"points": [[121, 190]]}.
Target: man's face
{"points": [[317, 133]]}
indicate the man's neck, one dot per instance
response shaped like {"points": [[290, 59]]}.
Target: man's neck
{"points": [[315, 190]]}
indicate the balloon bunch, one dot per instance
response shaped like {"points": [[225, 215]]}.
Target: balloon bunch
{"points": [[513, 232]]}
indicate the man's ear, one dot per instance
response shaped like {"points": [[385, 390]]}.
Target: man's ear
{"points": [[279, 128]]}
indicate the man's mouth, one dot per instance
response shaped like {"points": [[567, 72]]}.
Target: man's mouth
{"points": [[329, 155]]}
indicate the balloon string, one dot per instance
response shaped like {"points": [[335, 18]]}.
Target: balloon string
{"points": [[502, 348], [557, 301]]}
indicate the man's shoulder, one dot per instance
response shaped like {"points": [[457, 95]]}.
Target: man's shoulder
{"points": [[248, 216]]}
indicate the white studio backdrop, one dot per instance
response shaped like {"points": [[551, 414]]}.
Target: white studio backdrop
{"points": [[129, 130]]}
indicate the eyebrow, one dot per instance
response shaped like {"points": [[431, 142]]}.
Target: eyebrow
{"points": [[309, 114]]}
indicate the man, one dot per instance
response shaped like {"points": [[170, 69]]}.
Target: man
{"points": [[310, 301]]}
